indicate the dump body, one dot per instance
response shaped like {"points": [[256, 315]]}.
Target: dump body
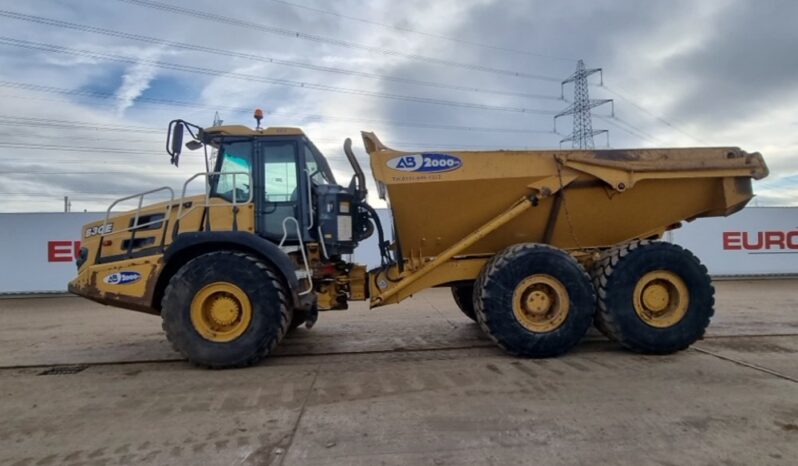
{"points": [[582, 200]]}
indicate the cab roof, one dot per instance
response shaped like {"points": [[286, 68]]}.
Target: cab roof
{"points": [[241, 130]]}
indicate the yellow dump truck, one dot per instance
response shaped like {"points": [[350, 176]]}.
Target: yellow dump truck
{"points": [[535, 245]]}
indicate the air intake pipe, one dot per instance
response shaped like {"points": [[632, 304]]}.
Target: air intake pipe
{"points": [[358, 184]]}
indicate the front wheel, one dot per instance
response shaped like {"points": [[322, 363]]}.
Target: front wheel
{"points": [[534, 300], [225, 309]]}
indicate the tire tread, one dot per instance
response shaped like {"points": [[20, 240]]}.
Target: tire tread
{"points": [[176, 334], [497, 262], [605, 321]]}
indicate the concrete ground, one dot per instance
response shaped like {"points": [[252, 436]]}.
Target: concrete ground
{"points": [[415, 383]]}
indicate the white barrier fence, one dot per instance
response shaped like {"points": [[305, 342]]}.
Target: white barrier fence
{"points": [[37, 249], [754, 241]]}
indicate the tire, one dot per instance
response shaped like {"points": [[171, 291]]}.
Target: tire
{"points": [[621, 283], [464, 298], [595, 276], [505, 277], [259, 334]]}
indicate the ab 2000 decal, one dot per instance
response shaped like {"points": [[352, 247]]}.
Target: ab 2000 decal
{"points": [[425, 162]]}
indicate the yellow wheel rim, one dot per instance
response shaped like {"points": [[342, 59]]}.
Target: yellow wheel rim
{"points": [[661, 298], [221, 312], [540, 303]]}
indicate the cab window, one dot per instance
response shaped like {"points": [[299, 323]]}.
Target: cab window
{"points": [[280, 172], [236, 157], [281, 193]]}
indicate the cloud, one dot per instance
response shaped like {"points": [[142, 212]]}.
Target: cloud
{"points": [[136, 80], [720, 70]]}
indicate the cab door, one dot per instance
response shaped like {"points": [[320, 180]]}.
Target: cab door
{"points": [[284, 191]]}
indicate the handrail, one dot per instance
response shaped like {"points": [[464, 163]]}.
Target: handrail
{"points": [[181, 214], [301, 249], [310, 198], [321, 242], [140, 197]]}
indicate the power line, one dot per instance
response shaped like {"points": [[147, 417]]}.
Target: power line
{"points": [[8, 120], [260, 58], [108, 95], [122, 165], [627, 128], [257, 78], [62, 139], [70, 148], [659, 118], [51, 123], [177, 103], [70, 193], [46, 147], [63, 173], [615, 121], [200, 48], [141, 153], [423, 33], [14, 120], [207, 16]]}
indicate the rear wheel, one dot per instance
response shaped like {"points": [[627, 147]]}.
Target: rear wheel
{"points": [[534, 300], [225, 309], [654, 297], [464, 298]]}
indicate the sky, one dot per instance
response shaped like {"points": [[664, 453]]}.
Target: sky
{"points": [[87, 88]]}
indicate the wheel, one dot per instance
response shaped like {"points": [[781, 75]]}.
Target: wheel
{"points": [[534, 300], [653, 297], [225, 309], [464, 297]]}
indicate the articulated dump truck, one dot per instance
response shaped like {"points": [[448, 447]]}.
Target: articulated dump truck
{"points": [[536, 246]]}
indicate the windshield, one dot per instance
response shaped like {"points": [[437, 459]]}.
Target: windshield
{"points": [[316, 165], [236, 157]]}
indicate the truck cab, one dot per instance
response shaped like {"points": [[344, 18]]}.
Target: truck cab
{"points": [[294, 192], [268, 194]]}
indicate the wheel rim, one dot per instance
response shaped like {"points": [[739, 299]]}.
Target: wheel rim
{"points": [[661, 298], [540, 303], [221, 312]]}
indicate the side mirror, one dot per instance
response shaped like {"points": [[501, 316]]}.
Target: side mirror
{"points": [[193, 144], [177, 139], [174, 140]]}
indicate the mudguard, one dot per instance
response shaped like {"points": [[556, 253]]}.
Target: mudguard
{"points": [[245, 241]]}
